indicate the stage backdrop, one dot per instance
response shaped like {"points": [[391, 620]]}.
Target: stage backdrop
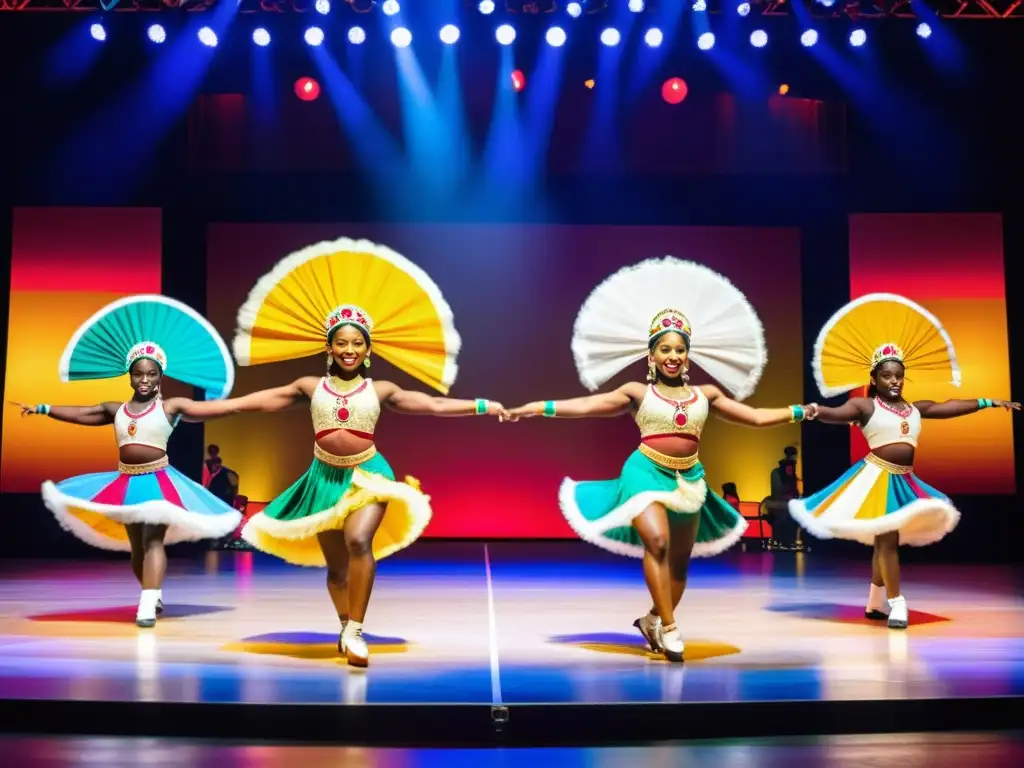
{"points": [[515, 291], [952, 264], [66, 264]]}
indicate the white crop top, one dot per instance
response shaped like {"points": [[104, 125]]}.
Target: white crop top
{"points": [[888, 426], [658, 416], [148, 427]]}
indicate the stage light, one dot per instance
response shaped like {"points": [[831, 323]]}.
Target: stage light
{"points": [[653, 37], [449, 34], [589, 84], [505, 34], [314, 36], [156, 33], [706, 41], [759, 38], [743, 9], [261, 37], [809, 38], [323, 7], [827, 3], [783, 89], [208, 37], [555, 37], [674, 90], [611, 37], [98, 32], [518, 80], [574, 10], [636, 6], [390, 7], [699, 6], [401, 37], [357, 35], [858, 37], [924, 31], [307, 89], [486, 7]]}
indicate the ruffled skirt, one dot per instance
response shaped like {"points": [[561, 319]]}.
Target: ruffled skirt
{"points": [[602, 511], [97, 506], [874, 497], [323, 498]]}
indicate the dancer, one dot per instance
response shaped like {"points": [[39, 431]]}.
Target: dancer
{"points": [[660, 508], [882, 338], [146, 504], [347, 299]]}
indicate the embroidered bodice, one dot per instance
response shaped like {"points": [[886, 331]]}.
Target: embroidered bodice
{"points": [[660, 416], [355, 410], [889, 425], [148, 426]]}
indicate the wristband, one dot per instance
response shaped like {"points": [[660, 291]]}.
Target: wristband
{"points": [[984, 402], [481, 406], [796, 413], [549, 408], [43, 409]]}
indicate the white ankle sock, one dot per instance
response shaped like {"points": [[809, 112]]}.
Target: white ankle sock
{"points": [[147, 604]]}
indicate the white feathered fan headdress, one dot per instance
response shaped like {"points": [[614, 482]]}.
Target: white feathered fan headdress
{"points": [[617, 321]]}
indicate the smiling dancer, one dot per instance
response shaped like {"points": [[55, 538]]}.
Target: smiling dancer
{"points": [[347, 299], [660, 509], [146, 503], [881, 339]]}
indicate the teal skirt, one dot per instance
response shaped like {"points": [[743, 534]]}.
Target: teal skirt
{"points": [[602, 511]]}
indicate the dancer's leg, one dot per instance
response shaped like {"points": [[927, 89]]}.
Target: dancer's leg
{"points": [[134, 531], [652, 526], [360, 528], [889, 561], [154, 567], [332, 544]]}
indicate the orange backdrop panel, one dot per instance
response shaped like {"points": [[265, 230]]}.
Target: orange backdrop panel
{"points": [[66, 264], [953, 265]]}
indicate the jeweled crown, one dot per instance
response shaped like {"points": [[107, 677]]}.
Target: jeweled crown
{"points": [[670, 320], [886, 352], [348, 314], [149, 351]]}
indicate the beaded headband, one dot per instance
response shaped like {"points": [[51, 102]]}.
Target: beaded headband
{"points": [[348, 314], [886, 352], [669, 320], [146, 350]]}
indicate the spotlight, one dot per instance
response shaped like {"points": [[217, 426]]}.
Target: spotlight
{"points": [[574, 10], [486, 7], [555, 37], [314, 36], [208, 37], [636, 6], [924, 31], [809, 38], [518, 80], [827, 3], [261, 37], [653, 37], [759, 38], [699, 6], [401, 37], [323, 7], [156, 33], [706, 41], [98, 32], [743, 9], [307, 89], [390, 7], [449, 34], [858, 37], [611, 37], [783, 89], [505, 34], [674, 90], [357, 36]]}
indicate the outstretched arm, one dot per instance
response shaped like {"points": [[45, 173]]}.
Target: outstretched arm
{"points": [[421, 404], [950, 409], [263, 401], [84, 415], [605, 405], [856, 410], [738, 413]]}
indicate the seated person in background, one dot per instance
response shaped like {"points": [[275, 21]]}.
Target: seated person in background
{"points": [[731, 495], [783, 489]]}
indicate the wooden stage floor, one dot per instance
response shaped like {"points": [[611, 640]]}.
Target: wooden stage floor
{"points": [[504, 626]]}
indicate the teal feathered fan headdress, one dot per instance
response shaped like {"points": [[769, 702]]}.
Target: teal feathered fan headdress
{"points": [[180, 340]]}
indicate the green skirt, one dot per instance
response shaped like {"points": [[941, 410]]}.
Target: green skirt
{"points": [[602, 511], [323, 498]]}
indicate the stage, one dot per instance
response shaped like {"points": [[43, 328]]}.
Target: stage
{"points": [[475, 643]]}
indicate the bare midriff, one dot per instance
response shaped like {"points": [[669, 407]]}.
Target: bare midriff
{"points": [[133, 453], [896, 453], [341, 442], [678, 446]]}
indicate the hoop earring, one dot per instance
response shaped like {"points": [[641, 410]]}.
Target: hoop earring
{"points": [[652, 373]]}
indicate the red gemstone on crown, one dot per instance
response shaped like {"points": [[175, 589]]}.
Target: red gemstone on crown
{"points": [[666, 322], [343, 414], [677, 323], [887, 351], [680, 419], [346, 313]]}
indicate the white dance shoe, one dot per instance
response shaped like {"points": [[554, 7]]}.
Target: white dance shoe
{"points": [[650, 627], [353, 645], [878, 607], [898, 615], [672, 643], [146, 615]]}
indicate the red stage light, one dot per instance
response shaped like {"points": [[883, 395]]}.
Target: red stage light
{"points": [[307, 89], [674, 90], [518, 80]]}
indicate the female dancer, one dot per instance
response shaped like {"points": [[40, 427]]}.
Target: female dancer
{"points": [[146, 503], [347, 511], [660, 508], [879, 501]]}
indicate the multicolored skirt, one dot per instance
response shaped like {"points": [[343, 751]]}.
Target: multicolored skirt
{"points": [[322, 499], [875, 497], [602, 511], [97, 506]]}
